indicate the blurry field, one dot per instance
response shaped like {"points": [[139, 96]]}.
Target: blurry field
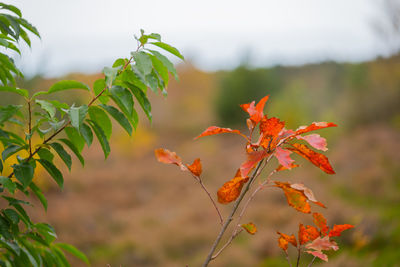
{"points": [[133, 211]]}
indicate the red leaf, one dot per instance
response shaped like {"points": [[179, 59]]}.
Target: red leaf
{"points": [[230, 191], [284, 240], [252, 159], [318, 254], [168, 157], [283, 157], [218, 130], [314, 126], [315, 140], [250, 228], [307, 234], [269, 130], [256, 112], [282, 168], [319, 160], [195, 168], [338, 229], [295, 198], [320, 221]]}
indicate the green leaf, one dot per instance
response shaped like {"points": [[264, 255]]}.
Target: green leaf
{"points": [[74, 149], [143, 101], [101, 118], [11, 246], [77, 115], [60, 256], [11, 8], [4, 228], [165, 61], [67, 85], [143, 62], [98, 86], [129, 76], [110, 74], [8, 183], [74, 251], [47, 106], [24, 173], [15, 90], [47, 231], [154, 36], [87, 134], [169, 48], [75, 138], [36, 190], [152, 81], [44, 153], [119, 117], [12, 215], [123, 98], [161, 69], [29, 27], [11, 150], [53, 171], [101, 137], [62, 153], [6, 112]]}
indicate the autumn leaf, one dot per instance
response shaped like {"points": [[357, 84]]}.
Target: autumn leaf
{"points": [[315, 140], [320, 244], [250, 228], [338, 229], [269, 131], [318, 254], [320, 221], [195, 168], [314, 126], [218, 130], [252, 159], [308, 193], [168, 157], [319, 160], [230, 191], [255, 111], [282, 168], [283, 157], [307, 234], [295, 198], [284, 240]]}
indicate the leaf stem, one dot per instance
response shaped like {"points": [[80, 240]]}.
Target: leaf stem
{"points": [[30, 126]]}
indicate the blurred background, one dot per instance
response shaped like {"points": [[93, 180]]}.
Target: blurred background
{"points": [[333, 61]]}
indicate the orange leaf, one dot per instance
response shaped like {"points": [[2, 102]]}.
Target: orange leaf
{"points": [[284, 240], [230, 191], [252, 159], [195, 168], [320, 221], [168, 157], [338, 229], [318, 254], [319, 160], [218, 130], [269, 130], [256, 112], [308, 193], [307, 234], [314, 126], [283, 157], [282, 168], [250, 228], [295, 198]]}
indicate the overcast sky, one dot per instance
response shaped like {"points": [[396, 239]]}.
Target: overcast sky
{"points": [[85, 35]]}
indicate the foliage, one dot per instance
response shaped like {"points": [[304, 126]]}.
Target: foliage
{"points": [[274, 140], [31, 134]]}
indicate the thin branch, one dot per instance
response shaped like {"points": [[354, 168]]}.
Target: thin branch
{"points": [[212, 200], [227, 243], [311, 263], [230, 217], [30, 126], [288, 259], [298, 255]]}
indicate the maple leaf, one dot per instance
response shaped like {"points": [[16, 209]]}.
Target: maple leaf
{"points": [[338, 229], [307, 234], [320, 221], [255, 111], [319, 160], [295, 198], [308, 193], [284, 240], [168, 157], [315, 140], [250, 228], [230, 191], [252, 159], [318, 254], [218, 130], [195, 168], [314, 126], [283, 157], [269, 131]]}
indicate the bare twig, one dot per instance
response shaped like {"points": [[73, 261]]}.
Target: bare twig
{"points": [[236, 233], [298, 255], [311, 263], [288, 259], [212, 200]]}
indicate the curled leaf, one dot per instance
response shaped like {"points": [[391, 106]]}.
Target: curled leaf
{"points": [[255, 111], [283, 157], [320, 221], [319, 160], [250, 228], [284, 240], [308, 193], [314, 126], [295, 198], [195, 168], [338, 229], [218, 130], [230, 191], [168, 157], [315, 140]]}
